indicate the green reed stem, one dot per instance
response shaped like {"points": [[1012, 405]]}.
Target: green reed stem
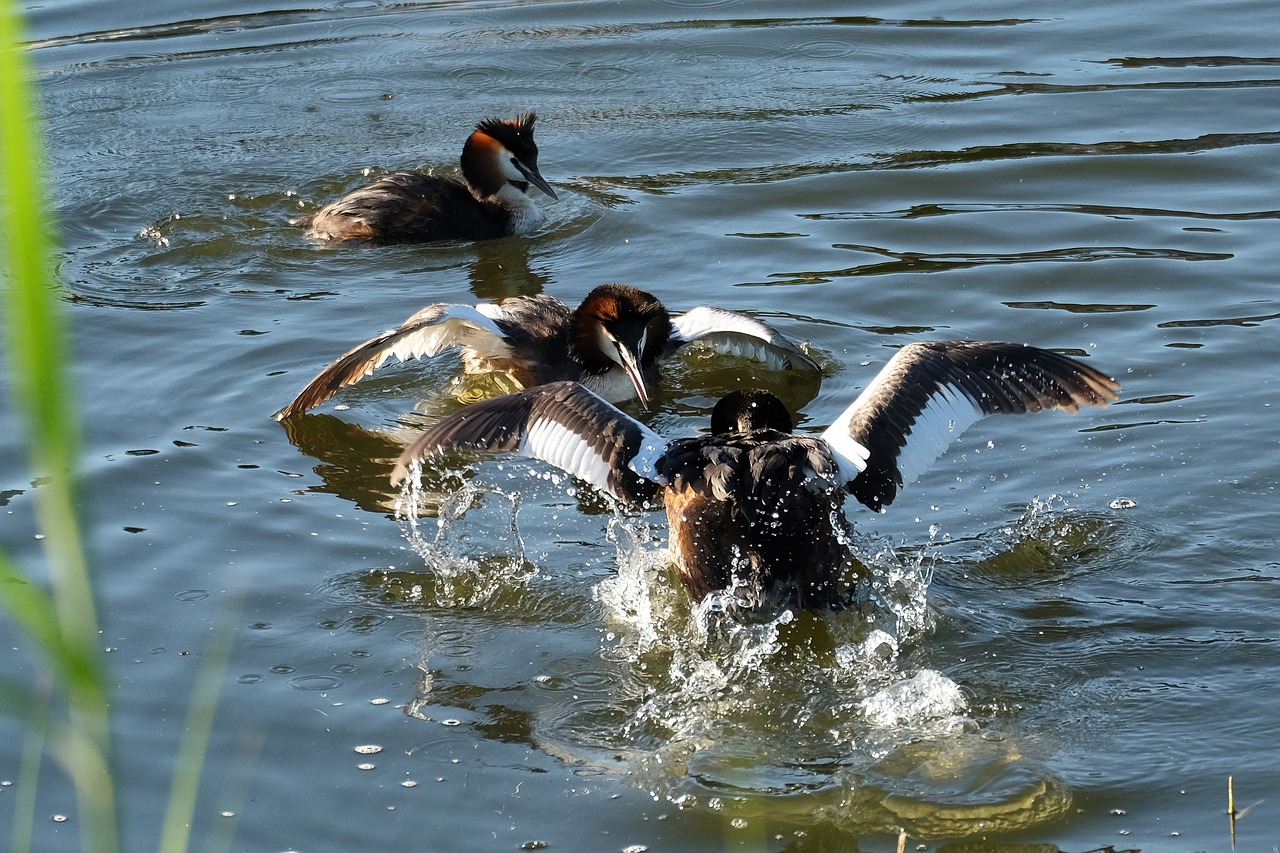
{"points": [[64, 622], [178, 818]]}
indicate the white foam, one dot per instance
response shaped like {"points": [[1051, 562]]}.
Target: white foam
{"points": [[926, 696]]}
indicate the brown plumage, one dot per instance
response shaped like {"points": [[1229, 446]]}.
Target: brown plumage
{"points": [[499, 161]]}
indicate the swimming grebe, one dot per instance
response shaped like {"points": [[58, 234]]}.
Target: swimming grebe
{"points": [[612, 343], [499, 162], [752, 507]]}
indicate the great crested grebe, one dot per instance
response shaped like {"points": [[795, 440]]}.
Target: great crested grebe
{"points": [[499, 162], [752, 507], [612, 343]]}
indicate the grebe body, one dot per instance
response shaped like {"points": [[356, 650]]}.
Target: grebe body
{"points": [[613, 343], [753, 508], [499, 163]]}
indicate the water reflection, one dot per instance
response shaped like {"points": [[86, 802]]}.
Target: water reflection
{"points": [[355, 462]]}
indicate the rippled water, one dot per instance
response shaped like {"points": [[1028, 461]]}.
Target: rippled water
{"points": [[1069, 634]]}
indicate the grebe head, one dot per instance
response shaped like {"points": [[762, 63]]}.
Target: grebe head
{"points": [[621, 325], [750, 410], [501, 152]]}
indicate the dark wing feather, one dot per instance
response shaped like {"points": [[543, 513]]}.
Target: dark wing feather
{"points": [[562, 423], [931, 392]]}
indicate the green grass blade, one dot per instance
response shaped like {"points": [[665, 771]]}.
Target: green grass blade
{"points": [[37, 347], [176, 835]]}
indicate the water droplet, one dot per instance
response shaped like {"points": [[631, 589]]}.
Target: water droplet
{"points": [[408, 783], [379, 701], [59, 818], [368, 749], [365, 766], [1123, 503]]}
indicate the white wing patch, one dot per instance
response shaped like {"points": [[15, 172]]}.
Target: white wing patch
{"points": [[594, 458], [851, 456], [490, 310], [652, 448], [439, 327], [731, 333], [948, 413]]}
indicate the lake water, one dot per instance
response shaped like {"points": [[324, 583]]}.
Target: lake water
{"points": [[1074, 637]]}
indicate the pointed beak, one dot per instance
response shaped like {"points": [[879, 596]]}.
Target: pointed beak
{"points": [[531, 173], [632, 369]]}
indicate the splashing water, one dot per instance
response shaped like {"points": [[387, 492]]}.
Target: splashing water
{"points": [[739, 716], [476, 550], [831, 715]]}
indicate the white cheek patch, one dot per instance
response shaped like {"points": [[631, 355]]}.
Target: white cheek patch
{"points": [[609, 346], [509, 171]]}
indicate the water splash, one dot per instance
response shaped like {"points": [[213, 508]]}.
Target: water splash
{"points": [[742, 716], [475, 550], [810, 717]]}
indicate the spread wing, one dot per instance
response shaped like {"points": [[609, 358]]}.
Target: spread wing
{"points": [[731, 333], [426, 333], [562, 423], [931, 392]]}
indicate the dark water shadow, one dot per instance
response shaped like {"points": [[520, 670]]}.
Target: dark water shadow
{"points": [[924, 262], [925, 211]]}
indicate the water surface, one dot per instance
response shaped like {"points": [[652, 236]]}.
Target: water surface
{"points": [[1072, 637]]}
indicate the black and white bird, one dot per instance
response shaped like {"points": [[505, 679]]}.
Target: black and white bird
{"points": [[752, 507], [499, 163], [612, 343]]}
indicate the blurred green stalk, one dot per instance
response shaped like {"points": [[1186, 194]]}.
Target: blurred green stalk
{"points": [[63, 622]]}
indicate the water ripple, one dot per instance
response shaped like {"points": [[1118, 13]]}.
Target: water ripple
{"points": [[1080, 308], [904, 262], [1244, 322], [930, 159], [1065, 89], [924, 211], [1191, 61]]}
